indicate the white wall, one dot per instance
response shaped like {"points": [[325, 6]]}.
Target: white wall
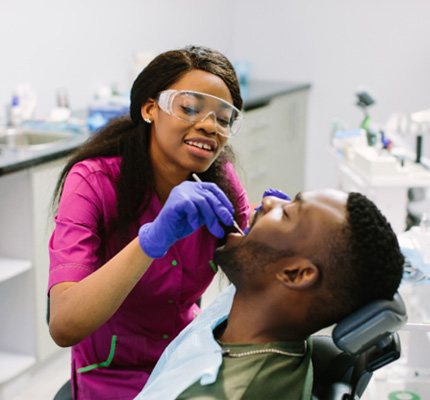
{"points": [[339, 45], [82, 44]]}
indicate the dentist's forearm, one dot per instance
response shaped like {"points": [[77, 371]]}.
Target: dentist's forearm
{"points": [[78, 308]]}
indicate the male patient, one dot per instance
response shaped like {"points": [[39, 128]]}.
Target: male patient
{"points": [[304, 265]]}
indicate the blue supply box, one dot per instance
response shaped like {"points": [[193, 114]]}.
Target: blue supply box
{"points": [[100, 113]]}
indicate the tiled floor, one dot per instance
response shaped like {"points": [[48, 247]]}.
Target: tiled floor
{"points": [[44, 383]]}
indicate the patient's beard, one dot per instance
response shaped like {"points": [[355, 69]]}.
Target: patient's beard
{"points": [[247, 259]]}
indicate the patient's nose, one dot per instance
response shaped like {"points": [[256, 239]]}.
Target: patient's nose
{"points": [[270, 202]]}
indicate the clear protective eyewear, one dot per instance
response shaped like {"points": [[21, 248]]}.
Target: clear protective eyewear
{"points": [[192, 107]]}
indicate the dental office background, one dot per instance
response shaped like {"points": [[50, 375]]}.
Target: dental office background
{"points": [[338, 46]]}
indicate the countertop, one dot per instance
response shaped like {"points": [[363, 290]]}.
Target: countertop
{"points": [[255, 94], [259, 93], [12, 160]]}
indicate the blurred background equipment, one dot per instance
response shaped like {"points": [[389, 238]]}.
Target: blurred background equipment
{"points": [[381, 163]]}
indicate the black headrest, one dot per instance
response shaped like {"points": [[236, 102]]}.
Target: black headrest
{"points": [[368, 325]]}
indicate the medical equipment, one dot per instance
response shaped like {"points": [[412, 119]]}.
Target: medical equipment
{"points": [[384, 169], [192, 107], [364, 100], [422, 120], [408, 378], [235, 224]]}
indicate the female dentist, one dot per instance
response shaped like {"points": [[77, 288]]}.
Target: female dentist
{"points": [[134, 236]]}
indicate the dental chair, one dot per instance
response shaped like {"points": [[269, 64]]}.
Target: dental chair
{"points": [[344, 362], [359, 345]]}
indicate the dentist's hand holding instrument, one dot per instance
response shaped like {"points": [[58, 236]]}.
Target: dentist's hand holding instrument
{"points": [[235, 224], [189, 206]]}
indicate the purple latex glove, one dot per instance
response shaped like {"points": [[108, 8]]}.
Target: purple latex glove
{"points": [[189, 206], [276, 193]]}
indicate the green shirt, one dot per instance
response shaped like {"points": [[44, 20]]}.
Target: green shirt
{"points": [[264, 376]]}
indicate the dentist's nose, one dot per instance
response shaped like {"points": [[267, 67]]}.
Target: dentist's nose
{"points": [[209, 122]]}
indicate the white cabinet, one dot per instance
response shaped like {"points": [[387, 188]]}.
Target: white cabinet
{"points": [[25, 227], [16, 347], [270, 148]]}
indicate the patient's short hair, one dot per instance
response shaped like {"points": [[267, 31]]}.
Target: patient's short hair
{"points": [[363, 260]]}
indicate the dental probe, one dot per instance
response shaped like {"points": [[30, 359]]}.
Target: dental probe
{"points": [[235, 224]]}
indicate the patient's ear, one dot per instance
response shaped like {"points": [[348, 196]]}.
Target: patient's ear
{"points": [[298, 273]]}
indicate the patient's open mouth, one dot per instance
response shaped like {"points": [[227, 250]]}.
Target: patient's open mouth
{"points": [[232, 239]]}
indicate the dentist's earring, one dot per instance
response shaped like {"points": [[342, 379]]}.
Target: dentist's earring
{"points": [[147, 120]]}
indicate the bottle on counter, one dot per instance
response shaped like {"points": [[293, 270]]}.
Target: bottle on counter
{"points": [[61, 112], [14, 120], [15, 112]]}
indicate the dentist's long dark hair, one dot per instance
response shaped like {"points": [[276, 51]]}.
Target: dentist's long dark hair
{"points": [[129, 136]]}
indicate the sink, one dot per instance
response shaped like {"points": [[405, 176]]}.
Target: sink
{"points": [[34, 140]]}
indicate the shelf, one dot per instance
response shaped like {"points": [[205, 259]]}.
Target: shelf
{"points": [[11, 267], [12, 364]]}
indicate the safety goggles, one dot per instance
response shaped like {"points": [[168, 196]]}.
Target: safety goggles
{"points": [[193, 107]]}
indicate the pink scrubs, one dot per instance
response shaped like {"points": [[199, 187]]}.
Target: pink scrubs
{"points": [[115, 361]]}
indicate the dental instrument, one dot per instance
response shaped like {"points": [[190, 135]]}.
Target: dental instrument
{"points": [[235, 224]]}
